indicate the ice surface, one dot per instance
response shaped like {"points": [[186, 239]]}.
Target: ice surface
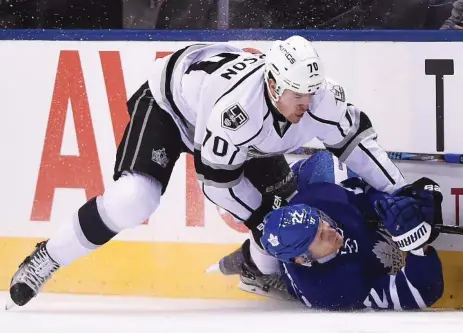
{"points": [[100, 314]]}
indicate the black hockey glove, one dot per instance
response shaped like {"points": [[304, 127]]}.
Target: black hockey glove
{"points": [[255, 222], [421, 188]]}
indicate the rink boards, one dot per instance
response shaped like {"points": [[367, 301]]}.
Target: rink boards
{"points": [[63, 110]]}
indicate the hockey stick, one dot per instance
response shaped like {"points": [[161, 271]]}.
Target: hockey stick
{"points": [[442, 228], [400, 156], [449, 229], [403, 156]]}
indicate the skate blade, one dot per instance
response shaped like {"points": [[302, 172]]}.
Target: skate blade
{"points": [[260, 292], [252, 289], [9, 304], [213, 269]]}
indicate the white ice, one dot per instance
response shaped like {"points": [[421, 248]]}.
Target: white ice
{"points": [[49, 313]]}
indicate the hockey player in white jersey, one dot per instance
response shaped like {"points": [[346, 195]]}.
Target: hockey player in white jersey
{"points": [[226, 107]]}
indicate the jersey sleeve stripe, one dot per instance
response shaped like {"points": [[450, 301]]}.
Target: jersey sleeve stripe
{"points": [[394, 295], [328, 122], [167, 91], [361, 128], [416, 294], [219, 177], [354, 130], [251, 138], [354, 142], [348, 117], [239, 82], [142, 132], [135, 109], [299, 294], [241, 202], [217, 166], [343, 149], [255, 135], [208, 198], [209, 182], [388, 176], [167, 75]]}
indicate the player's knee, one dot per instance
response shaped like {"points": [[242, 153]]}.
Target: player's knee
{"points": [[131, 200], [126, 203]]}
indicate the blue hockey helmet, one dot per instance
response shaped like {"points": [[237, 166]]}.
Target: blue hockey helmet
{"points": [[290, 230]]}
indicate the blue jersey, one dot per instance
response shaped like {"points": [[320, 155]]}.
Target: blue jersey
{"points": [[369, 270]]}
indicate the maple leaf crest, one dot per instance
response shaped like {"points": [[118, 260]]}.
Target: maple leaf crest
{"points": [[273, 240], [388, 252], [383, 252]]}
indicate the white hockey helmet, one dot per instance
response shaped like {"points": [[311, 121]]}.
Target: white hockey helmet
{"points": [[295, 65]]}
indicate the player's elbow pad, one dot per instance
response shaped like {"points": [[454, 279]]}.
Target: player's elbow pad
{"points": [[365, 128]]}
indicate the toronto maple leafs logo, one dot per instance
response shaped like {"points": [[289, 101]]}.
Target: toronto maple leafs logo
{"points": [[272, 239], [159, 156], [388, 253]]}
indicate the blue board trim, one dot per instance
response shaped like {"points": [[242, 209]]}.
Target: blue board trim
{"points": [[227, 35]]}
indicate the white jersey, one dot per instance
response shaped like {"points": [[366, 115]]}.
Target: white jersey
{"points": [[216, 94]]}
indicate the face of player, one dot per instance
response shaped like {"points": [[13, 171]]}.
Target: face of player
{"points": [[292, 105], [327, 241]]}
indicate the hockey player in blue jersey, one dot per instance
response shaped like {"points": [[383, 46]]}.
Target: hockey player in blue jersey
{"points": [[341, 247]]}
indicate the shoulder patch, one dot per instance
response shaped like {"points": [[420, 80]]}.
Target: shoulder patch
{"points": [[338, 92], [234, 117]]}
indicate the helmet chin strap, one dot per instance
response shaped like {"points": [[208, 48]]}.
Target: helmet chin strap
{"points": [[273, 99]]}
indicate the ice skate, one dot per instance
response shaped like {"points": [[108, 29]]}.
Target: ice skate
{"points": [[32, 274], [239, 262], [228, 265], [254, 281]]}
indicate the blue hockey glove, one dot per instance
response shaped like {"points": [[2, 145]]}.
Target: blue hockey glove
{"points": [[405, 219], [410, 213]]}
